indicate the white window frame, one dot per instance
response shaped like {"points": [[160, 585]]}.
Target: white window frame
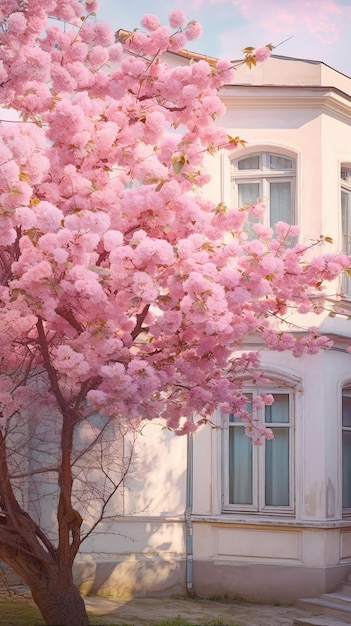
{"points": [[345, 188], [346, 393], [263, 177], [258, 505]]}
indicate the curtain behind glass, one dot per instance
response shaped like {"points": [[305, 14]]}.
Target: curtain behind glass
{"points": [[277, 453], [277, 469], [250, 163], [248, 193], [280, 205], [280, 163], [346, 452], [240, 466], [346, 236], [346, 469]]}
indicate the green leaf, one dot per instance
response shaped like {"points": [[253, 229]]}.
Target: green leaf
{"points": [[178, 166]]}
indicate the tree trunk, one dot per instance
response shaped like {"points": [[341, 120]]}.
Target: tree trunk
{"points": [[60, 604], [52, 587], [49, 578], [50, 581]]}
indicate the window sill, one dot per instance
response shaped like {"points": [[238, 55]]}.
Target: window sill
{"points": [[238, 519]]}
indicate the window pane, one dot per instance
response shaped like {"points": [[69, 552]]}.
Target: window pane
{"points": [[250, 163], [346, 411], [346, 175], [234, 418], [280, 204], [240, 466], [345, 218], [248, 192], [278, 412], [280, 163], [346, 235], [277, 468], [346, 469]]}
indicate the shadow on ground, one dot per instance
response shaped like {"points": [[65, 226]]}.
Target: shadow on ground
{"points": [[149, 611], [20, 610]]}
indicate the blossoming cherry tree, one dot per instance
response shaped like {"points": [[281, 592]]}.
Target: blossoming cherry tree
{"points": [[125, 294]]}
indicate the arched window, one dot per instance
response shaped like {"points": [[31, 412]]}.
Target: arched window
{"points": [[260, 479], [268, 177]]}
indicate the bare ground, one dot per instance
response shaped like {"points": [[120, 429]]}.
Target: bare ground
{"points": [[146, 611], [19, 610]]}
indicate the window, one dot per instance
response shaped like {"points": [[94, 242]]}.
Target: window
{"points": [[345, 176], [260, 478], [269, 178], [346, 450]]}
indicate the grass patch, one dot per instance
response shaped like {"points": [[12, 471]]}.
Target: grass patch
{"points": [[180, 621], [19, 612], [23, 612], [224, 598]]}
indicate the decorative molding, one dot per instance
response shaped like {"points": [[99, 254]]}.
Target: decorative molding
{"points": [[262, 523], [329, 99]]}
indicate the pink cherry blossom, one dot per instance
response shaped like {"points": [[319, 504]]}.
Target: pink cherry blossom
{"points": [[144, 287], [193, 30], [150, 22], [124, 289], [263, 53], [176, 18]]}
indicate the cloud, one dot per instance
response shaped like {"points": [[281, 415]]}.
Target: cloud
{"points": [[231, 25], [323, 19]]}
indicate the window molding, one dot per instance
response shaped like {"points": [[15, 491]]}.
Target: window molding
{"points": [[345, 217], [345, 443], [265, 167], [258, 504]]}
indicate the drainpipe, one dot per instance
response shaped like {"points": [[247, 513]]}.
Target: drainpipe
{"points": [[188, 513]]}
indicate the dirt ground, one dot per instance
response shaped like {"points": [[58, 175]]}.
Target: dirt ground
{"points": [[19, 610], [145, 611]]}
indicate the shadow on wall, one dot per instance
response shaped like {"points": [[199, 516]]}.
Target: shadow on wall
{"points": [[139, 546], [156, 484], [128, 578], [141, 550]]}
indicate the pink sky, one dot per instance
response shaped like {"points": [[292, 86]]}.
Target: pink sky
{"points": [[319, 29], [324, 19]]}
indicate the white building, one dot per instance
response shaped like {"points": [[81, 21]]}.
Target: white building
{"points": [[269, 523]]}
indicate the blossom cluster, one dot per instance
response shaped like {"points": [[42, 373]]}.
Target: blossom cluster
{"points": [[116, 273]]}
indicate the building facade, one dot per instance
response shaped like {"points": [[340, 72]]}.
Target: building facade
{"points": [[212, 513]]}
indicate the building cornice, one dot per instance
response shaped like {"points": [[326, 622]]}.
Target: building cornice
{"points": [[328, 99]]}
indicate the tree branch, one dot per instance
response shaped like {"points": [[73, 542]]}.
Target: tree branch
{"points": [[112, 493], [140, 319], [67, 520], [69, 317]]}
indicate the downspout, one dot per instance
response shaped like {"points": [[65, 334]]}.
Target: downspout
{"points": [[188, 514]]}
